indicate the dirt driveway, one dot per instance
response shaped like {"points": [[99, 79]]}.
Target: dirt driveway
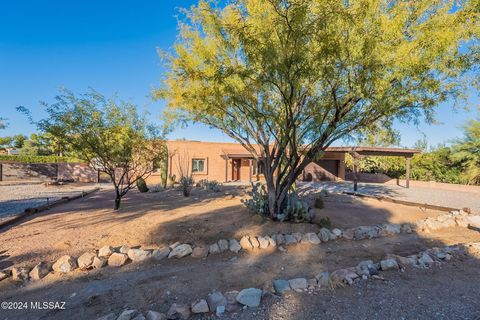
{"points": [[157, 219]]}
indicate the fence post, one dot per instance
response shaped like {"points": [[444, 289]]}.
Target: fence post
{"points": [[1, 171]]}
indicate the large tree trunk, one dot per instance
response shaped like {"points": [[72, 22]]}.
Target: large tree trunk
{"points": [[118, 198]]}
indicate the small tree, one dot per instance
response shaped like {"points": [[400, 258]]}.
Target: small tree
{"points": [[467, 151], [293, 76], [110, 135]]}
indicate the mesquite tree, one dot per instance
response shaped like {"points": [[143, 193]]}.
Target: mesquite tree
{"points": [[112, 136], [293, 76]]}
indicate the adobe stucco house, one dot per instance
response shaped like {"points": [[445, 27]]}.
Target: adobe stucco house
{"points": [[227, 162]]}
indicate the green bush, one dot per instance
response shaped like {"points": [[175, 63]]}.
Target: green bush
{"points": [[258, 202], [142, 185], [318, 202], [37, 159], [186, 183], [325, 223]]}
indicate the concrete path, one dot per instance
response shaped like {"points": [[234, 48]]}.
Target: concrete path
{"points": [[439, 197]]}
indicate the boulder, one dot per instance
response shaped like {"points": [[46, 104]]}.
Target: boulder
{"points": [[105, 252], [250, 297], [161, 253], [342, 276], [254, 242], [222, 245], [200, 252], [98, 263], [124, 249], [178, 311], [348, 234], [234, 246], [212, 249], [117, 259], [365, 232], [65, 264], [39, 271], [290, 239], [281, 286], [324, 234], [388, 264], [312, 283], [174, 245], [389, 229], [408, 261], [181, 251], [310, 238], [245, 243], [220, 311], [154, 315], [271, 241], [139, 254], [298, 284], [128, 314], [298, 236], [232, 305], [263, 242], [19, 274], [86, 260], [364, 268], [425, 260], [337, 232], [200, 306], [323, 279], [139, 317], [279, 239], [216, 299]]}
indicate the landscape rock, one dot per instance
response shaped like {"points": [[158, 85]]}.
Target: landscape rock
{"points": [[245, 243], [174, 245], [222, 245], [39, 271], [298, 284], [65, 264], [110, 316], [98, 263], [263, 242], [388, 264], [271, 241], [250, 297], [281, 286], [298, 236], [128, 314], [232, 305], [311, 238], [139, 317], [279, 239], [254, 242], [324, 234], [337, 232], [117, 259], [312, 283], [139, 254], [200, 252], [425, 260], [348, 234], [178, 311], [365, 232], [234, 246], [4, 275], [323, 279], [214, 248], [389, 230], [181, 251], [19, 274], [408, 261], [86, 260], [342, 276], [216, 299], [406, 228], [365, 267], [105, 252], [154, 315], [200, 306], [161, 253], [220, 311], [124, 249], [290, 239]]}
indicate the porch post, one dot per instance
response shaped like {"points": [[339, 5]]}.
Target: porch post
{"points": [[251, 169], [226, 168], [407, 178], [355, 173]]}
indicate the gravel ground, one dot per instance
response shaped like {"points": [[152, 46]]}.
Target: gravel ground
{"points": [[447, 198], [16, 197]]}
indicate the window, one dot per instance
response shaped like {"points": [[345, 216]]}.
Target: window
{"points": [[199, 166]]}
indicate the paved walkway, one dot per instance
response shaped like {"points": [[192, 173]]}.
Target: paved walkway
{"points": [[439, 197]]}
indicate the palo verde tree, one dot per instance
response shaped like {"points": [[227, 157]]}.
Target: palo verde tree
{"points": [[112, 136], [293, 76], [467, 151]]}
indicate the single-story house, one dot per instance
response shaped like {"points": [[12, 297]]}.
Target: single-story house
{"points": [[227, 162]]}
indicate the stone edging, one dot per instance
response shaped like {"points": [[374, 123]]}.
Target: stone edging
{"points": [[219, 303]]}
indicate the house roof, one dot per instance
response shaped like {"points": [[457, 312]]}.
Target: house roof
{"points": [[375, 151]]}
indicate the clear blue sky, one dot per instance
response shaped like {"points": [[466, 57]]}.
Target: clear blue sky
{"points": [[111, 46]]}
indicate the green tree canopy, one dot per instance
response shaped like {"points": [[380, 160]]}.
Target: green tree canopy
{"points": [[294, 76], [467, 151]]}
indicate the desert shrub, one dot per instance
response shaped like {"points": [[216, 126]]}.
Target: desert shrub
{"points": [[186, 183], [213, 185], [325, 222], [258, 202], [296, 209], [318, 202], [157, 188], [142, 185], [171, 180]]}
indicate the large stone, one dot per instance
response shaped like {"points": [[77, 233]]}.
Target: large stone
{"points": [[200, 252], [365, 232], [342, 276], [200, 306], [389, 229], [65, 264], [271, 241], [468, 220], [298, 236], [234, 246], [39, 271], [178, 311], [348, 234], [245, 243], [105, 252], [263, 242], [19, 274], [154, 315], [139, 317], [250, 297], [254, 242], [406, 228], [110, 316], [4, 275], [364, 268], [117, 259], [128, 314], [98, 263], [216, 299], [324, 234], [222, 245], [425, 260], [311, 238], [124, 249], [298, 284], [337, 232], [181, 251], [388, 264], [279, 239], [323, 279], [161, 253], [290, 239], [139, 254], [232, 305], [212, 249], [86, 260], [408, 261], [281, 286]]}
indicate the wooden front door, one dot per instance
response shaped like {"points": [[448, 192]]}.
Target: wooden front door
{"points": [[236, 163]]}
